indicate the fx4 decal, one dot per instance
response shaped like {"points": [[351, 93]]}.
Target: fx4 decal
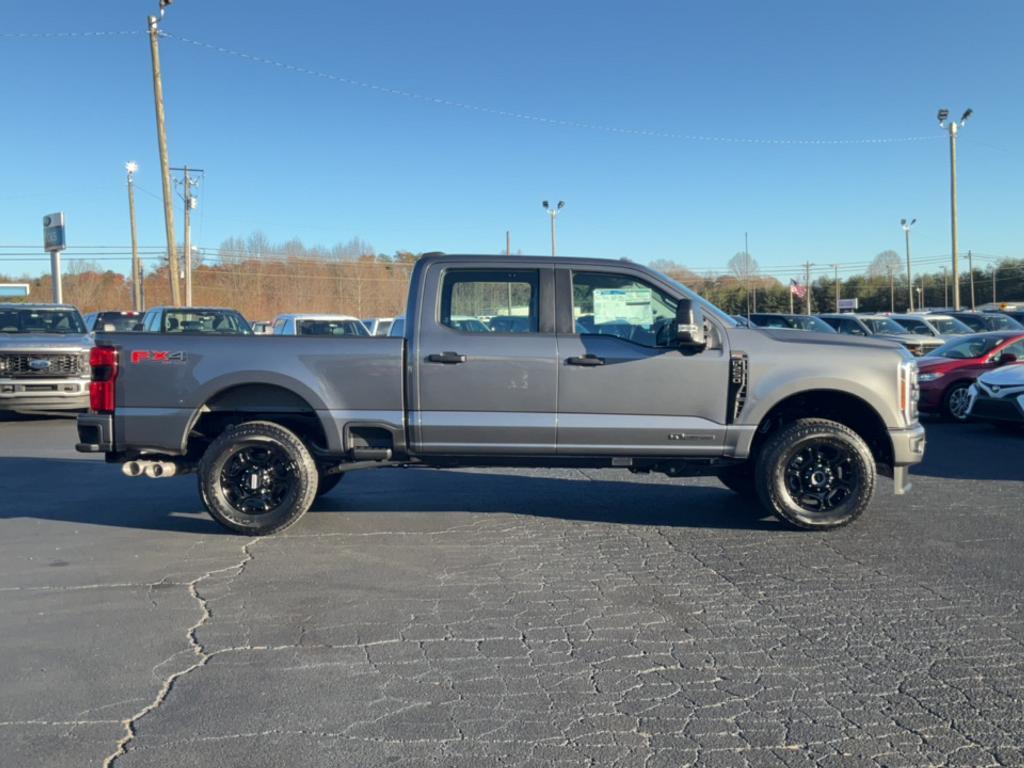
{"points": [[147, 356]]}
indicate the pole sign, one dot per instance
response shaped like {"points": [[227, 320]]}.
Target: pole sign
{"points": [[53, 232], [13, 289], [848, 305]]}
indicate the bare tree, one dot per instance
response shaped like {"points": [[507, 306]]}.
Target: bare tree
{"points": [[884, 263]]}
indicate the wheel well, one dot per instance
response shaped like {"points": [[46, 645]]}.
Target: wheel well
{"points": [[837, 406], [252, 402]]}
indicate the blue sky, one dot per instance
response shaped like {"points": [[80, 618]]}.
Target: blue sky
{"points": [[296, 155]]}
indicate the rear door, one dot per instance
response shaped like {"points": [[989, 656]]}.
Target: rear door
{"points": [[484, 387], [623, 387]]}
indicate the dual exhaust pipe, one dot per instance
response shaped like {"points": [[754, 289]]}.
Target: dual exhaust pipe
{"points": [[151, 469]]}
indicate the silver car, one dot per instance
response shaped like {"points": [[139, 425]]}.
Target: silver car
{"points": [[318, 325]]}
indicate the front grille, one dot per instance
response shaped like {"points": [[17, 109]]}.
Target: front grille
{"points": [[994, 408], [26, 365]]}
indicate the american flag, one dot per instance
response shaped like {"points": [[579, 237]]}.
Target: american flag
{"points": [[798, 290]]}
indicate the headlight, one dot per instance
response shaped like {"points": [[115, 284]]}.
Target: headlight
{"points": [[930, 376]]}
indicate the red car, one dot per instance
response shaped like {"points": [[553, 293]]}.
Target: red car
{"points": [[947, 372]]}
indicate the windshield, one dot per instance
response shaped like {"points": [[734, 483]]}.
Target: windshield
{"points": [[967, 349], [999, 322], [205, 321], [949, 326], [706, 306], [116, 321], [884, 325], [41, 321], [330, 328]]}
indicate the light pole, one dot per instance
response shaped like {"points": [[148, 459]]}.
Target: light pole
{"points": [[131, 168], [553, 213], [954, 129], [836, 268], [910, 278]]}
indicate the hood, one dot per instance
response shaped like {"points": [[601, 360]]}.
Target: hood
{"points": [[930, 363], [1008, 376], [811, 338], [45, 342]]}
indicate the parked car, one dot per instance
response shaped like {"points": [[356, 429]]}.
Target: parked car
{"points": [[397, 327], [943, 327], [998, 397], [318, 325], [1015, 311], [44, 358], [800, 426], [881, 327], [792, 322], [262, 327], [113, 321], [980, 322], [947, 373], [378, 326], [196, 320]]}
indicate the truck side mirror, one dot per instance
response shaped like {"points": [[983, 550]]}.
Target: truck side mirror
{"points": [[689, 326]]}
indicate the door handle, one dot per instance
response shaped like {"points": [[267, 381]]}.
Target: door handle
{"points": [[446, 358], [586, 360]]}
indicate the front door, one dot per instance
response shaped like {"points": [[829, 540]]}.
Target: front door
{"points": [[623, 387], [485, 367]]}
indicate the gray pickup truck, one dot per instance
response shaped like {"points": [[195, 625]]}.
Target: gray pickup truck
{"points": [[44, 358], [575, 363]]}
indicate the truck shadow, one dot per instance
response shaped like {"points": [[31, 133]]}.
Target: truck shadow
{"points": [[93, 493]]}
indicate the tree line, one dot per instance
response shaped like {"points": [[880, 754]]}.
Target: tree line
{"points": [[263, 279]]}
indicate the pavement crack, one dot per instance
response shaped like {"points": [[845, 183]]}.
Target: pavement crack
{"points": [[198, 651]]}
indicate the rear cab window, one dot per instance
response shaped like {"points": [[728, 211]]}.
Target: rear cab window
{"points": [[490, 301]]}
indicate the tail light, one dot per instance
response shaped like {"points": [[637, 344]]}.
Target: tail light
{"points": [[103, 361]]}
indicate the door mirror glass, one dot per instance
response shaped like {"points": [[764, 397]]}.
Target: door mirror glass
{"points": [[689, 325]]}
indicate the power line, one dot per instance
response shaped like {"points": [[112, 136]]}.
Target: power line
{"points": [[524, 116], [38, 35]]}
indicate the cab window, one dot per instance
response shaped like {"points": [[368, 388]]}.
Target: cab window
{"points": [[490, 301], [608, 304]]}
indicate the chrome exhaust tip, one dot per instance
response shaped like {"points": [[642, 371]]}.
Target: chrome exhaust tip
{"points": [[132, 468]]}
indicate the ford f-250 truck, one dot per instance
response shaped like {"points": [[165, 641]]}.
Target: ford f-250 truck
{"points": [[576, 363]]}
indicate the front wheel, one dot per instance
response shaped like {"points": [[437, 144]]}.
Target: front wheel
{"points": [[956, 401], [257, 478], [816, 473]]}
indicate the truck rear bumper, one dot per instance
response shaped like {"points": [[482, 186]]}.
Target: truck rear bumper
{"points": [[95, 433], [907, 450]]}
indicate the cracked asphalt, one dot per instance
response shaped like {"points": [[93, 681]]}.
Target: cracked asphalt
{"points": [[522, 618]]}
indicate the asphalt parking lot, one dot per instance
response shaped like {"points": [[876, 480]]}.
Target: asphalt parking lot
{"points": [[518, 618]]}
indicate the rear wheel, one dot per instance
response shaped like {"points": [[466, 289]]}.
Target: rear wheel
{"points": [[956, 401], [257, 478], [816, 473]]}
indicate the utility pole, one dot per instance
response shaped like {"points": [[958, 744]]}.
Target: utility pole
{"points": [[553, 213], [945, 288], [132, 167], [910, 277], [165, 170], [995, 271], [954, 129], [836, 268], [970, 266], [892, 290], [190, 202], [508, 243], [746, 250], [807, 284]]}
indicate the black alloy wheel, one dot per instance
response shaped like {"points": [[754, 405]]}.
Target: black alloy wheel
{"points": [[257, 478], [815, 473]]}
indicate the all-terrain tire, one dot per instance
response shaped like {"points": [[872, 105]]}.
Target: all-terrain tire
{"points": [[257, 478], [816, 474]]}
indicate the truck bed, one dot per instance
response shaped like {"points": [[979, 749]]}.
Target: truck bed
{"points": [[165, 379]]}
